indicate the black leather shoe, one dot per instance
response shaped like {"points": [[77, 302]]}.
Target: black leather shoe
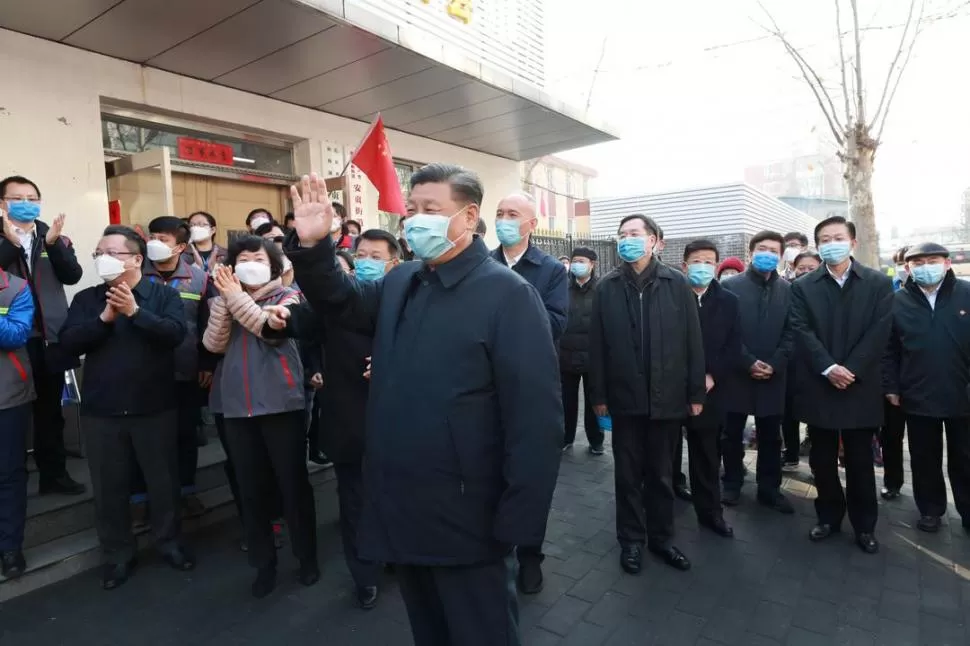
{"points": [[265, 581], [867, 543], [631, 558], [822, 531], [179, 559], [889, 494], [367, 597], [671, 556], [683, 492], [929, 524], [777, 501], [717, 525], [731, 497], [65, 485], [529, 578], [12, 564], [309, 573], [116, 575]]}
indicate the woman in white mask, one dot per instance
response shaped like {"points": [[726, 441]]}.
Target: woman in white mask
{"points": [[274, 233], [203, 251], [258, 388], [257, 218]]}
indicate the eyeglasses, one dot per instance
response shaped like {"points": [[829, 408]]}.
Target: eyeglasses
{"points": [[276, 239], [113, 254], [33, 200]]}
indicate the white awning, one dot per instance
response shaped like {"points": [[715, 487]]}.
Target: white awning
{"points": [[323, 54]]}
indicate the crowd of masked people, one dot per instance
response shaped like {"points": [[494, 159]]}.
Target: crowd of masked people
{"points": [[445, 390]]}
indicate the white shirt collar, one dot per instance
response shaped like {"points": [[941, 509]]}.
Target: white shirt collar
{"points": [[510, 260], [845, 276]]}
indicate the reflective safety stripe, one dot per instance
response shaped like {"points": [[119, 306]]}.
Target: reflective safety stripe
{"points": [[4, 310], [189, 296], [43, 254]]}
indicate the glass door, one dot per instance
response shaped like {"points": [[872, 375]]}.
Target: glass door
{"points": [[141, 187]]}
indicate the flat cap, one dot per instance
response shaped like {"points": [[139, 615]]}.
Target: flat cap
{"points": [[584, 252], [927, 249]]}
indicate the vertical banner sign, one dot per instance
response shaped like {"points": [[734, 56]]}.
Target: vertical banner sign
{"points": [[355, 194]]}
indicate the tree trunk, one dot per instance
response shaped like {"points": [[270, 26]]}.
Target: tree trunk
{"points": [[859, 156]]}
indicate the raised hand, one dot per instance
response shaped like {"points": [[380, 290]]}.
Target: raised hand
{"points": [[312, 211], [54, 232]]}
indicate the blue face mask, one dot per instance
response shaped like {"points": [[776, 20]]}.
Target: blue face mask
{"points": [[368, 269], [23, 211], [833, 253], [928, 275], [700, 274], [631, 249], [579, 269], [764, 261], [507, 232], [427, 234]]}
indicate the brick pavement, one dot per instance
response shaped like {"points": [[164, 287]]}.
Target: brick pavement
{"points": [[769, 585]]}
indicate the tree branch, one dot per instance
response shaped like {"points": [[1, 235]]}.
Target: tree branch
{"points": [[889, 90], [845, 85], [808, 73], [860, 114]]}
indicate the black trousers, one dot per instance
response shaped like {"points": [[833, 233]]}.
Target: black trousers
{"points": [[14, 425], [791, 427], [269, 449], [229, 466], [472, 605], [49, 454], [113, 443], [769, 451], [703, 463], [570, 404], [860, 480], [926, 457], [350, 496], [187, 422], [313, 420], [642, 450], [891, 438]]}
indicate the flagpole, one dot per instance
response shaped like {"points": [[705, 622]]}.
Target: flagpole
{"points": [[362, 139]]}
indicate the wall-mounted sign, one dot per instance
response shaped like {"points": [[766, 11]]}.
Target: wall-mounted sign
{"points": [[204, 151]]}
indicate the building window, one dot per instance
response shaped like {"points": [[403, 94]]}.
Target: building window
{"points": [[126, 136], [569, 184]]}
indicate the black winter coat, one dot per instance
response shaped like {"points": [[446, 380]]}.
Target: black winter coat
{"points": [[574, 343], [847, 326], [619, 378], [767, 335], [928, 362], [721, 331], [464, 416]]}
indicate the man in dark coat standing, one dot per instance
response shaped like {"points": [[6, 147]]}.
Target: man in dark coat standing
{"points": [[574, 350], [721, 330], [927, 375], [757, 384], [842, 314], [464, 417], [515, 220], [647, 370]]}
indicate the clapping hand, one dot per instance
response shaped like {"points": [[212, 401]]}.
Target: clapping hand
{"points": [[226, 281], [367, 372], [841, 377], [278, 315], [122, 300], [54, 232], [8, 231], [312, 210]]}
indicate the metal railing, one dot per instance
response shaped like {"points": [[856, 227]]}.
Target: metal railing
{"points": [[562, 244]]}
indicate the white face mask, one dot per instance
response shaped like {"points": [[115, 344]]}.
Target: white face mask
{"points": [[253, 274], [791, 253], [109, 267], [902, 271], [158, 251], [200, 233], [258, 221]]}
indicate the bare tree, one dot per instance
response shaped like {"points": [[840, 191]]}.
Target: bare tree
{"points": [[857, 135]]}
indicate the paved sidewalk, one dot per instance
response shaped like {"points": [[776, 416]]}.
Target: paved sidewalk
{"points": [[769, 585]]}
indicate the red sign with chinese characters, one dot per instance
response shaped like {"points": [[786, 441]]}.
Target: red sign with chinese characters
{"points": [[204, 151]]}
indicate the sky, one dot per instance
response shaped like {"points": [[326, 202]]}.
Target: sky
{"points": [[698, 91]]}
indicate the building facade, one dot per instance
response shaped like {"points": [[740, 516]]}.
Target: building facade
{"points": [[728, 215], [562, 190], [130, 110]]}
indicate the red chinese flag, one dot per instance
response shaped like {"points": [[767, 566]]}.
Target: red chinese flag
{"points": [[373, 158]]}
